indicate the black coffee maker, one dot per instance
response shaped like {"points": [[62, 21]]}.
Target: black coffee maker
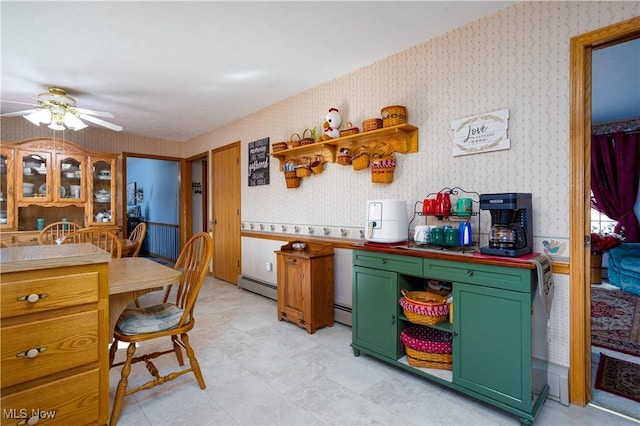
{"points": [[511, 231]]}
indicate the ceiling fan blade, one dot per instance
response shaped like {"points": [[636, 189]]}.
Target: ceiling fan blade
{"points": [[17, 113], [92, 112], [18, 103], [101, 122]]}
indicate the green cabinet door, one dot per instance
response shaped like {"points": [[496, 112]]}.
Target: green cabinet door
{"points": [[492, 345], [375, 312]]}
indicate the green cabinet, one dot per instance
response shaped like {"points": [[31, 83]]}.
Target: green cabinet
{"points": [[492, 325], [375, 323]]}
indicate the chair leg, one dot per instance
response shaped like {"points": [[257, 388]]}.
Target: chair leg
{"points": [[112, 352], [137, 302], [122, 386], [195, 366], [177, 350]]}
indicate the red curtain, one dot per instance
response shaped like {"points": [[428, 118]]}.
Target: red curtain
{"points": [[615, 175]]}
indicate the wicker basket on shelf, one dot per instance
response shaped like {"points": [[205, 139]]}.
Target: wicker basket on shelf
{"points": [[350, 130], [371, 124], [360, 160], [303, 170], [291, 179], [424, 308], [278, 146], [393, 115], [344, 157], [382, 164], [294, 140], [317, 166], [427, 347], [307, 139]]}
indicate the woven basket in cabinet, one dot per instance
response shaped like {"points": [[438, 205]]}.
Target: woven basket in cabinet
{"points": [[393, 115], [424, 313], [427, 347]]}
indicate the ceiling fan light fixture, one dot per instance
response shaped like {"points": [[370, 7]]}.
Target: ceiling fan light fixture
{"points": [[33, 117], [56, 126], [73, 122], [45, 115]]}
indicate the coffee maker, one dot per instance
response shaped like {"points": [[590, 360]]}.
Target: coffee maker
{"points": [[511, 233]]}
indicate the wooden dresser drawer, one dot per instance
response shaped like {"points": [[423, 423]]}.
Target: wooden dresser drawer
{"points": [[67, 401], [55, 344], [47, 293]]}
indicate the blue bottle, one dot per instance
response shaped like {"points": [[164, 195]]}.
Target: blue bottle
{"points": [[465, 236]]}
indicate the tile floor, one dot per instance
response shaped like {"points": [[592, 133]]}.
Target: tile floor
{"points": [[260, 371]]}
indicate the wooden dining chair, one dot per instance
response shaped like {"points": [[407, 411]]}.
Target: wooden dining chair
{"points": [[137, 236], [57, 231], [103, 238], [168, 319]]}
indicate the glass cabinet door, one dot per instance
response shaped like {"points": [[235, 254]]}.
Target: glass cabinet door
{"points": [[7, 213], [34, 180], [103, 191], [70, 178]]}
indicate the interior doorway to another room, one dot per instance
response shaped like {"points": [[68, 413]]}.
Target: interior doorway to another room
{"points": [[153, 195], [580, 212], [196, 174]]}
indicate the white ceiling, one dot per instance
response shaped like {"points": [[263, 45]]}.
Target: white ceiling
{"points": [[175, 70]]}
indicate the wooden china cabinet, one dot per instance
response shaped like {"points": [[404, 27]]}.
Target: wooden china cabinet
{"points": [[51, 178]]}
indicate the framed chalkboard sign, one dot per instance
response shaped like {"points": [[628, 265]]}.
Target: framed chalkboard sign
{"points": [[259, 162]]}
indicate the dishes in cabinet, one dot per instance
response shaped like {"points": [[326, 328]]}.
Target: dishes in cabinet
{"points": [[104, 175], [42, 190], [63, 192], [75, 191], [102, 196], [27, 189]]}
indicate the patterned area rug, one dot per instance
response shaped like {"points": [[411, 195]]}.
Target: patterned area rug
{"points": [[618, 377], [615, 320]]}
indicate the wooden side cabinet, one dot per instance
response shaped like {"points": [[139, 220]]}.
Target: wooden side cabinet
{"points": [[305, 285]]}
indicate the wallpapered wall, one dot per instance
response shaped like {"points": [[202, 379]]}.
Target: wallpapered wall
{"points": [[516, 59]]}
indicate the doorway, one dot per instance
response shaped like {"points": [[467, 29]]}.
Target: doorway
{"points": [[579, 209], [153, 195]]}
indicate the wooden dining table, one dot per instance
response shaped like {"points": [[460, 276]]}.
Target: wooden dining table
{"points": [[131, 277]]}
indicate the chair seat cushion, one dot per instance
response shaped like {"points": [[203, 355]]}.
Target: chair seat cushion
{"points": [[149, 319]]}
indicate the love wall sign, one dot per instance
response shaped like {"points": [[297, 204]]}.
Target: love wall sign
{"points": [[482, 133]]}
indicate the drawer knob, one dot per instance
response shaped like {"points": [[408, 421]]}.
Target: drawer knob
{"points": [[32, 353], [32, 298], [470, 273]]}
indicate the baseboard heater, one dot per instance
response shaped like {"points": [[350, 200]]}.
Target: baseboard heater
{"points": [[341, 313]]}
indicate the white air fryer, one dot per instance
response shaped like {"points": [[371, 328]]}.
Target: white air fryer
{"points": [[386, 221]]}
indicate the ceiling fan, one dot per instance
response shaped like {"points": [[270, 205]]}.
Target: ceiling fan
{"points": [[59, 111]]}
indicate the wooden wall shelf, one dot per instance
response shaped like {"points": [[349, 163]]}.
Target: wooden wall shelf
{"points": [[403, 138]]}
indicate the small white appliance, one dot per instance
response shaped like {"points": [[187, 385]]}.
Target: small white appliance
{"points": [[386, 221]]}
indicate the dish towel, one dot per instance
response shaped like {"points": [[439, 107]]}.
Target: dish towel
{"points": [[545, 280]]}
